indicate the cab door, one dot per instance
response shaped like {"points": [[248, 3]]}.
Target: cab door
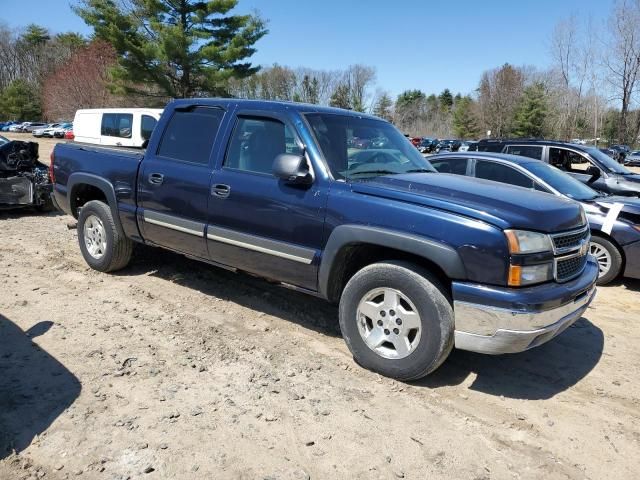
{"points": [[173, 183], [257, 222]]}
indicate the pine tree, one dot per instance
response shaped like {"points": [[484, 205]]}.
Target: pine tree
{"points": [[465, 123], [446, 99], [532, 112], [382, 108], [340, 97], [184, 48], [18, 102], [310, 90]]}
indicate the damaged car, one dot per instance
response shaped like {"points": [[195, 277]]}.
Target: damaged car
{"points": [[24, 181]]}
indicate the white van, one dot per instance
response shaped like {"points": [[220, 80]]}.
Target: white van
{"points": [[126, 127]]}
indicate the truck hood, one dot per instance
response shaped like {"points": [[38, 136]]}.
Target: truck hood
{"points": [[501, 205]]}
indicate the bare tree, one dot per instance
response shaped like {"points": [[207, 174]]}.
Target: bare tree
{"points": [[82, 82], [499, 93], [622, 61], [572, 63], [360, 79]]}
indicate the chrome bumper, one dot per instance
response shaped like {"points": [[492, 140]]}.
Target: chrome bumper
{"points": [[494, 331]]}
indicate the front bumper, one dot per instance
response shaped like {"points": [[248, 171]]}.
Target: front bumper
{"points": [[515, 320]]}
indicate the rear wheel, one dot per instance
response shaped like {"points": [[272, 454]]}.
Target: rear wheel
{"points": [[397, 320], [102, 246], [609, 259]]}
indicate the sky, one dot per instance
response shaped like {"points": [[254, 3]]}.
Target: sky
{"points": [[425, 44]]}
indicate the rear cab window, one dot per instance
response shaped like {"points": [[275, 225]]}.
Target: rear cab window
{"points": [[116, 125], [190, 134]]}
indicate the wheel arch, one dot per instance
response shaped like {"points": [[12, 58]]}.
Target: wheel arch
{"points": [[84, 187], [352, 247]]}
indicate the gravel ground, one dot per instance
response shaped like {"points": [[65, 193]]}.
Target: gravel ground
{"points": [[172, 369]]}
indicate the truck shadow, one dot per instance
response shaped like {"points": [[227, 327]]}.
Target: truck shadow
{"points": [[537, 374], [240, 288], [34, 387]]}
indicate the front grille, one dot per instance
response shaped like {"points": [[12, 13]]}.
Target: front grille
{"points": [[571, 240], [569, 268]]}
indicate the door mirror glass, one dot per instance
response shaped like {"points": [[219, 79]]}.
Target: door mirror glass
{"points": [[292, 168]]}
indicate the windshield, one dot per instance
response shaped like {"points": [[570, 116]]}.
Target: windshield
{"points": [[607, 162], [358, 148], [561, 181]]}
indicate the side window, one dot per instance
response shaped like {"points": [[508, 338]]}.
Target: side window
{"points": [[189, 135], [116, 125], [531, 151], [256, 142], [502, 173], [457, 166], [147, 125], [568, 161]]}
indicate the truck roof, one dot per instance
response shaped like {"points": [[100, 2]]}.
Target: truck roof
{"points": [[275, 106]]}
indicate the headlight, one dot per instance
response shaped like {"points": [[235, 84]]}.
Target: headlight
{"points": [[524, 246], [521, 275], [521, 241]]}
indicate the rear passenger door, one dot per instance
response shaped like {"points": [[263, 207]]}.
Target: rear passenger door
{"points": [[173, 183], [258, 223]]}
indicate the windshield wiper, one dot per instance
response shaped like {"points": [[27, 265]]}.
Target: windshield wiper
{"points": [[419, 170]]}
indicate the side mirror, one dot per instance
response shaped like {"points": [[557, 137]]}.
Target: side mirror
{"points": [[594, 172], [292, 169]]}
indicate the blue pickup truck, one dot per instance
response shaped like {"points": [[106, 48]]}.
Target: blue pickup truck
{"points": [[340, 205]]}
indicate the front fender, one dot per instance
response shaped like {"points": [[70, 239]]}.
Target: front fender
{"points": [[442, 255]]}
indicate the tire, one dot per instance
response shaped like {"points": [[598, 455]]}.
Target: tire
{"points": [[102, 246], [609, 259], [424, 348]]}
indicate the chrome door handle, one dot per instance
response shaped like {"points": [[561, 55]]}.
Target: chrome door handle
{"points": [[156, 178], [220, 190]]}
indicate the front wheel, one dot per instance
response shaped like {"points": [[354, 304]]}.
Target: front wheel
{"points": [[397, 320], [609, 259], [102, 246]]}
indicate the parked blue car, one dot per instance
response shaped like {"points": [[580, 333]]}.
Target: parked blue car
{"points": [[614, 220]]}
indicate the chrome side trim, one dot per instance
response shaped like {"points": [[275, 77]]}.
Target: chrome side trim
{"points": [[260, 244], [174, 223]]}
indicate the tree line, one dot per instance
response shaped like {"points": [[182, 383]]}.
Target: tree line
{"points": [[145, 53]]}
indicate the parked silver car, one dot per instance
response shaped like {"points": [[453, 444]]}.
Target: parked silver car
{"points": [[32, 126], [45, 131]]}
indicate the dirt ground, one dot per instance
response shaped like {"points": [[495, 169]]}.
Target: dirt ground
{"points": [[172, 369]]}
